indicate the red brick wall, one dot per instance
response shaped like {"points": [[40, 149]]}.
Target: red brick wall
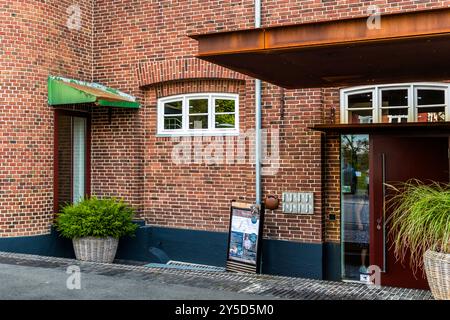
{"points": [[118, 43], [117, 155], [192, 195], [142, 47], [34, 42], [331, 167], [300, 11], [292, 112], [139, 31], [132, 34]]}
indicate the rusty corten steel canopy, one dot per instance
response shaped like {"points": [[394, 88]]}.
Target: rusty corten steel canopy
{"points": [[412, 46], [441, 128]]}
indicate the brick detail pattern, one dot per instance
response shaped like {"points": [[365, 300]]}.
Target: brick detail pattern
{"points": [[158, 58], [142, 48], [275, 13], [150, 73], [141, 34], [34, 42], [196, 194], [292, 112], [331, 168], [117, 155]]}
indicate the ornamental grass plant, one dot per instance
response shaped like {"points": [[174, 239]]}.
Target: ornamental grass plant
{"points": [[419, 220]]}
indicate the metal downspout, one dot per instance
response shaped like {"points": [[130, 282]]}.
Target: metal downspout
{"points": [[258, 183], [258, 187]]}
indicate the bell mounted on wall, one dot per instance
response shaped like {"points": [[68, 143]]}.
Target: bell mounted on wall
{"points": [[271, 202]]}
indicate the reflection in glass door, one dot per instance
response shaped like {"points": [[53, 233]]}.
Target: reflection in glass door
{"points": [[355, 206]]}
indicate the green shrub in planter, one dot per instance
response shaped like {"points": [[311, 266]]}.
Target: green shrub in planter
{"points": [[95, 226], [93, 217]]}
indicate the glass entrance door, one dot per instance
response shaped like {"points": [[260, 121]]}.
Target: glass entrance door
{"points": [[71, 158], [355, 206]]}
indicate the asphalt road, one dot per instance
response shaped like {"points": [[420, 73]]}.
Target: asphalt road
{"points": [[34, 283]]}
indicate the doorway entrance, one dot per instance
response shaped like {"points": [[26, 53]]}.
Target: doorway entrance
{"points": [[71, 157], [398, 159], [368, 162]]}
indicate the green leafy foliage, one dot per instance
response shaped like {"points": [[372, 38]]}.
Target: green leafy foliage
{"points": [[420, 220], [93, 217]]}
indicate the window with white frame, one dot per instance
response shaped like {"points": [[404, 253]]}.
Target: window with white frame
{"points": [[200, 113], [396, 103]]}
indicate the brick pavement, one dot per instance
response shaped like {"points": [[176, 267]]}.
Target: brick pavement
{"points": [[262, 285]]}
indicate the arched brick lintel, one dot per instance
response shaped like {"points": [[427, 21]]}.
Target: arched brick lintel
{"points": [[150, 73]]}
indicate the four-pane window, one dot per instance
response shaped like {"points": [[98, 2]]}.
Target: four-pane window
{"points": [[192, 114]]}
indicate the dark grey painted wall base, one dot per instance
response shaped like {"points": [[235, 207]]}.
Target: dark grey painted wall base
{"points": [[287, 258], [332, 261], [46, 245], [158, 244]]}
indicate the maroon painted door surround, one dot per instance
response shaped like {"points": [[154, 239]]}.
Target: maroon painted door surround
{"points": [[397, 159]]}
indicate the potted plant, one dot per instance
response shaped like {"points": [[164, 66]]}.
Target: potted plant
{"points": [[95, 226], [420, 229]]}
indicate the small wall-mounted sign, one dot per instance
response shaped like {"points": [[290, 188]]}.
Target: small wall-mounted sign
{"points": [[298, 202]]}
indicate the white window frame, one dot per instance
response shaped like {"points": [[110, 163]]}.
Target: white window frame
{"points": [[379, 107], [377, 98], [211, 130], [444, 88], [344, 102]]}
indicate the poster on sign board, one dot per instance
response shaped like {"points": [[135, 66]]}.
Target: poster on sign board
{"points": [[244, 234]]}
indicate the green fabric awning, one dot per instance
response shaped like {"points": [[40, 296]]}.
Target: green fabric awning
{"points": [[69, 91]]}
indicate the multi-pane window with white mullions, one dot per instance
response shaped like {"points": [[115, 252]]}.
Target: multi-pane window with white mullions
{"points": [[430, 105], [201, 113], [173, 115], [224, 113], [198, 113], [396, 103], [360, 107]]}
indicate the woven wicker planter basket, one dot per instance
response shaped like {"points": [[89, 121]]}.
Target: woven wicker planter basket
{"points": [[95, 249], [437, 268]]}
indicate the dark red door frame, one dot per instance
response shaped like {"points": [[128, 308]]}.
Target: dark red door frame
{"points": [[405, 157], [57, 114], [376, 248]]}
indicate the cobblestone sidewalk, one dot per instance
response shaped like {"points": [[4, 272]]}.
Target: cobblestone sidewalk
{"points": [[262, 285]]}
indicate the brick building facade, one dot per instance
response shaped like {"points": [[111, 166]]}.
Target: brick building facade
{"points": [[35, 42], [142, 48]]}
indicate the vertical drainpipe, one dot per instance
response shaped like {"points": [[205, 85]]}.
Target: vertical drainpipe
{"points": [[258, 187]]}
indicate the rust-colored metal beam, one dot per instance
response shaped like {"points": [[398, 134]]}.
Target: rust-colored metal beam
{"points": [[411, 127], [393, 27], [239, 41], [412, 46]]}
